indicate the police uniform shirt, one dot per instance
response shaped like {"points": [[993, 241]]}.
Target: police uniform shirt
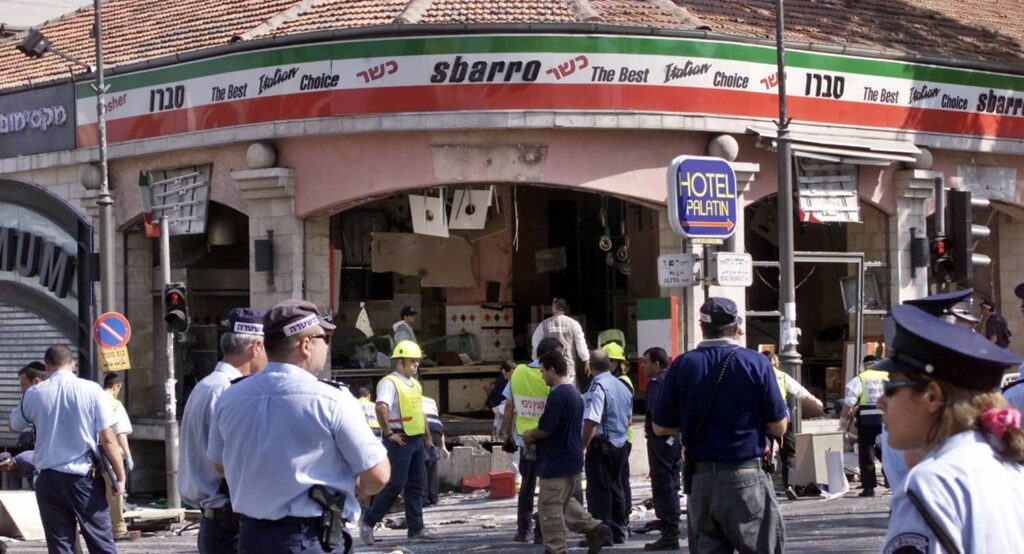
{"points": [[654, 386], [198, 482], [747, 399], [896, 469], [387, 394], [507, 394], [1014, 395], [608, 403], [280, 432], [970, 494], [68, 413]]}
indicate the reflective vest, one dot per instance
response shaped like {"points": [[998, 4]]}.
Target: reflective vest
{"points": [[529, 395], [370, 412], [410, 406], [114, 402], [629, 385], [872, 386], [780, 378]]}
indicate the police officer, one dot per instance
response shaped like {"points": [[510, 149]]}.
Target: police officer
{"points": [[526, 394], [607, 408], [724, 399], [369, 410], [439, 452], [285, 440], [199, 484], [404, 427], [620, 369], [861, 394], [69, 414], [789, 386], [942, 398], [664, 457]]}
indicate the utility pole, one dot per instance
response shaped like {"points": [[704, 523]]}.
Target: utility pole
{"points": [[171, 403], [104, 200], [789, 357]]}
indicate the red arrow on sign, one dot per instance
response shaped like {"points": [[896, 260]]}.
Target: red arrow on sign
{"points": [[728, 225]]}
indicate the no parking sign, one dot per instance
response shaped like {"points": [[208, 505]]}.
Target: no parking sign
{"points": [[112, 333]]}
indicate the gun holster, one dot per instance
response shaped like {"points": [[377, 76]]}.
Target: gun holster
{"points": [[332, 522]]}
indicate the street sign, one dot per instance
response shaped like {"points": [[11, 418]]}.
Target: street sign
{"points": [[114, 359], [676, 270], [729, 269], [111, 330], [702, 197]]}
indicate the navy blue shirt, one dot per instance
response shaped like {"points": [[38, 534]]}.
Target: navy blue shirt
{"points": [[561, 454], [654, 386], [747, 400]]}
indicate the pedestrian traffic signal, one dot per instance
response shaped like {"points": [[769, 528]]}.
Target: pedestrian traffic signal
{"points": [[175, 308], [942, 258], [964, 234]]}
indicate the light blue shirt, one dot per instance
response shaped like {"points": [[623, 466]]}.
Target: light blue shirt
{"points": [[198, 482], [280, 432], [895, 464], [609, 404], [1015, 396], [972, 495], [68, 414]]}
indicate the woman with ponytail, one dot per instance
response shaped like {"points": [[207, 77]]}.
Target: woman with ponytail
{"points": [[942, 398]]}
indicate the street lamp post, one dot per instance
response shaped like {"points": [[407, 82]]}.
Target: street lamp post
{"points": [[789, 357], [104, 200]]}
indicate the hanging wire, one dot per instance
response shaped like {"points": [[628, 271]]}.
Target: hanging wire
{"points": [[515, 207]]}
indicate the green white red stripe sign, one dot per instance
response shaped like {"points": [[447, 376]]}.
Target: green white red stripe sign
{"points": [[550, 72]]}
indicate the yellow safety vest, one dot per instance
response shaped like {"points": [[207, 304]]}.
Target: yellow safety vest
{"points": [[114, 402], [370, 411], [629, 428], [780, 378], [872, 386], [410, 406], [529, 395]]}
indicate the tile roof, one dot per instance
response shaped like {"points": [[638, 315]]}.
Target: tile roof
{"points": [[138, 30]]}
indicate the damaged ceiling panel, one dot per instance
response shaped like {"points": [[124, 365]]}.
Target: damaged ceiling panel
{"points": [[440, 262]]}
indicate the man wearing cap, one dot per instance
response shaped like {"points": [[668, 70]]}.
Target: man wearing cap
{"points": [[403, 424], [725, 401], [620, 369], [568, 332], [403, 327], [280, 433], [199, 484], [996, 328], [862, 392]]}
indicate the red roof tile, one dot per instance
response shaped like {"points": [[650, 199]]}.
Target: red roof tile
{"points": [[137, 30]]}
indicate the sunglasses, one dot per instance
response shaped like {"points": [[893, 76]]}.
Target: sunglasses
{"points": [[891, 387], [325, 336]]}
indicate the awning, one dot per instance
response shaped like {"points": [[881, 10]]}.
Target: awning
{"points": [[847, 150]]}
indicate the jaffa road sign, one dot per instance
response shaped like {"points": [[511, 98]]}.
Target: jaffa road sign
{"points": [[111, 330], [702, 195]]}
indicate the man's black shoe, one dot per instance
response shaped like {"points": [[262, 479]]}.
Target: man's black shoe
{"points": [[867, 492], [523, 537], [790, 493], [666, 542], [598, 538]]}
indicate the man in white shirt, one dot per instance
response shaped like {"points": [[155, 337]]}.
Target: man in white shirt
{"points": [[568, 332], [122, 428]]}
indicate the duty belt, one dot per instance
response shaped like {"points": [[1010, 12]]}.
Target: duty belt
{"points": [[285, 521], [701, 467]]}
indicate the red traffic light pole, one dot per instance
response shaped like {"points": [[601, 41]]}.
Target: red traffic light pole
{"points": [[170, 395]]}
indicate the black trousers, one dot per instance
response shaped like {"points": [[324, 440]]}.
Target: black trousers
{"points": [[65, 499], [665, 461], [606, 500], [627, 489], [527, 490], [787, 455], [866, 435]]}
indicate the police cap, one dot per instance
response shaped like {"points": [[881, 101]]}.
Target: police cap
{"points": [[941, 304], [246, 321], [409, 310], [291, 317], [718, 311], [922, 343]]}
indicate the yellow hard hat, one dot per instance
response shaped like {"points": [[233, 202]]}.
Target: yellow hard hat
{"points": [[614, 351], [407, 349]]}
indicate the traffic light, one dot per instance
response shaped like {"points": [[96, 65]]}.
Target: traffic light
{"points": [[964, 233], [942, 258], [175, 308]]}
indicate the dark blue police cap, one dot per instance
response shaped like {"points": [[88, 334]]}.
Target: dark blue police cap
{"points": [[1019, 291], [922, 343], [245, 321], [718, 311], [941, 304]]}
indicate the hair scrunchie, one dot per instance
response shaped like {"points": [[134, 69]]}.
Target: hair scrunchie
{"points": [[996, 421]]}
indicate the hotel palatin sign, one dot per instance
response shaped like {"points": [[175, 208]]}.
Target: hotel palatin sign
{"points": [[550, 72]]}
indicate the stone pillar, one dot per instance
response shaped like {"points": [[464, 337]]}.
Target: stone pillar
{"points": [[913, 188], [270, 193], [691, 298]]}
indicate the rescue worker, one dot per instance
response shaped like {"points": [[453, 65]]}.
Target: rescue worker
{"points": [[369, 410], [607, 408], [440, 452], [664, 457], [526, 394], [789, 387], [199, 483], [568, 332], [403, 425], [861, 394], [620, 369], [403, 328], [725, 401], [69, 414], [288, 443], [122, 428], [942, 398]]}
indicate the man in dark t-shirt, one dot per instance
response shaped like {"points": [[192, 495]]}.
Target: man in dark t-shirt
{"points": [[559, 440], [995, 327]]}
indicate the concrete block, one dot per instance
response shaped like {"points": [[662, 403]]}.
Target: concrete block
{"points": [[481, 463]]}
